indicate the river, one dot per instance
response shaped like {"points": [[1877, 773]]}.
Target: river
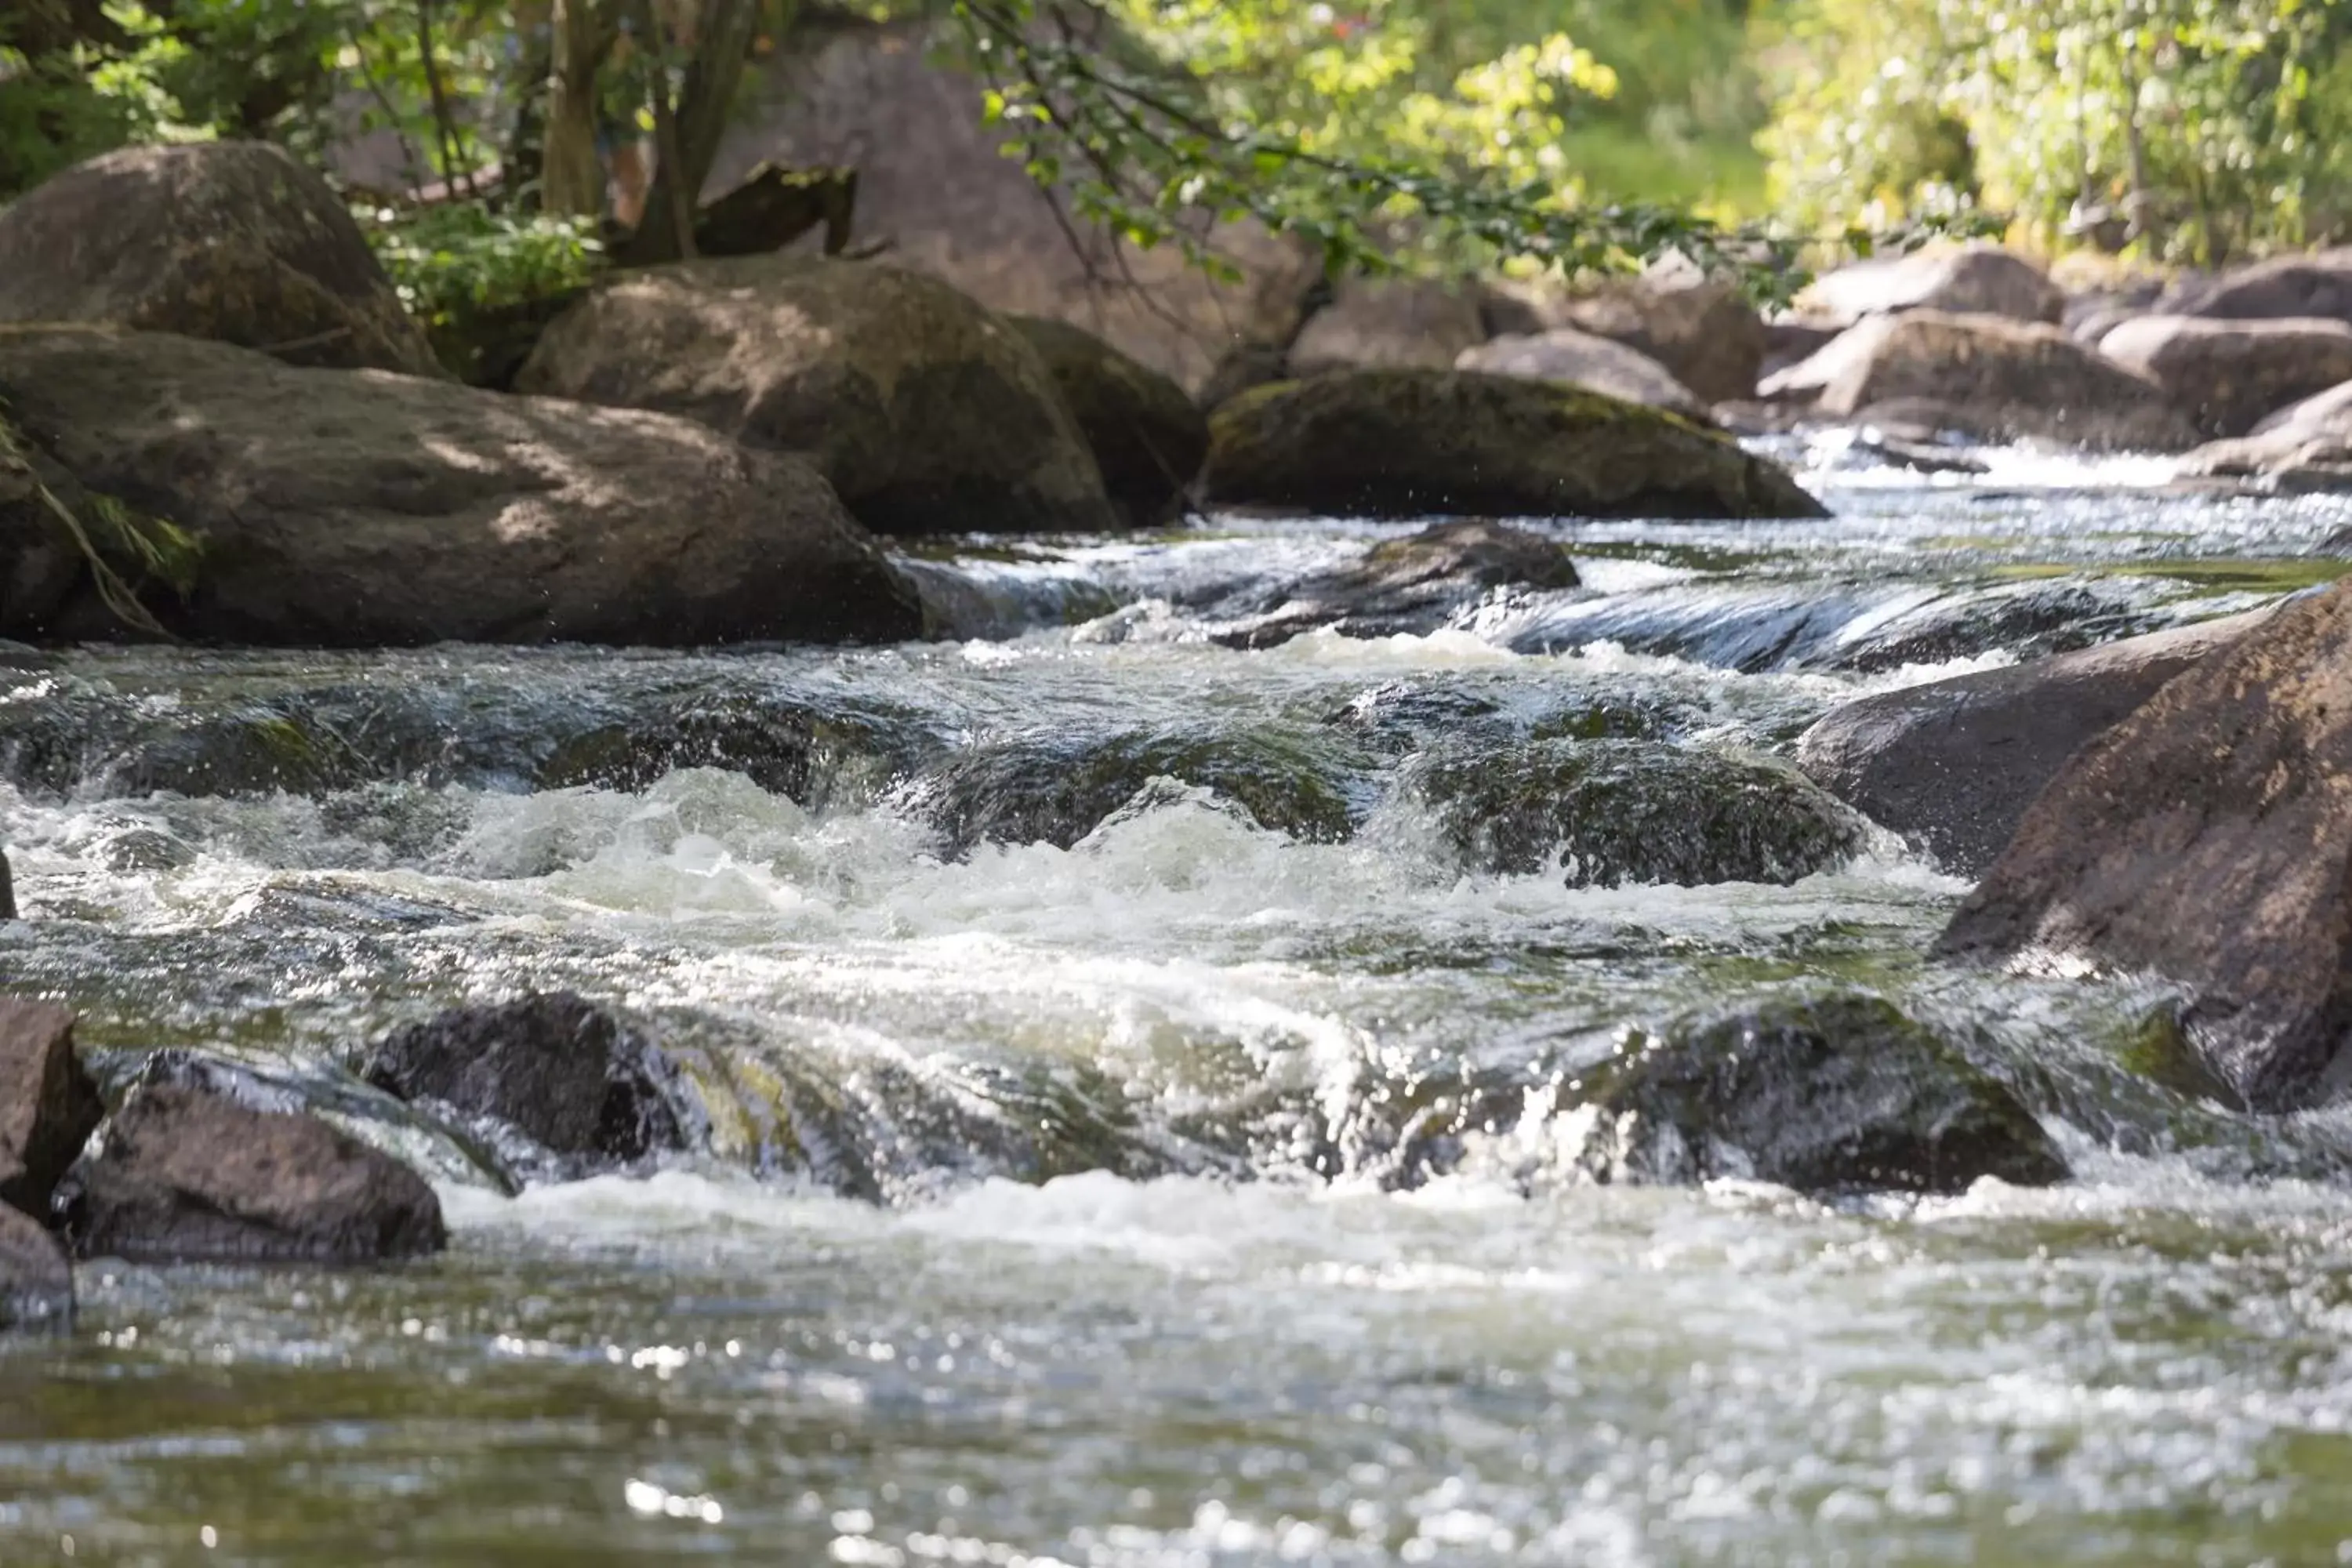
{"points": [[1102, 1041]]}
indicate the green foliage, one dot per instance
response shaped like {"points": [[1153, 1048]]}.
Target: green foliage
{"points": [[2195, 129], [481, 281]]}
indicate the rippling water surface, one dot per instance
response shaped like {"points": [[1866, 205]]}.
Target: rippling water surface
{"points": [[1165, 1173]]}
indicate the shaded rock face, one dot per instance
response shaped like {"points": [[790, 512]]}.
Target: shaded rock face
{"points": [[1412, 443], [1998, 379], [1953, 764], [1382, 323], [231, 240], [2318, 284], [1976, 280], [1148, 437], [2230, 375], [2207, 838], [1581, 359], [927, 413], [48, 1106], [933, 183], [1411, 586], [1041, 789], [355, 508], [1836, 1094], [1615, 812], [36, 1276], [566, 1073], [182, 1174]]}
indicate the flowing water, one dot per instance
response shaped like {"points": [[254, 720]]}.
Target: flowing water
{"points": [[1138, 1127]]}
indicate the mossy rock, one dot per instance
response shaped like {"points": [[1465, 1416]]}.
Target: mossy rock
{"points": [[1044, 790], [1828, 1094], [1628, 811], [1409, 443]]}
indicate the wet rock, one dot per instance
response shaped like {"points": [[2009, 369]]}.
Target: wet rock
{"points": [[184, 1175], [927, 413], [1974, 279], [1148, 437], [232, 240], [567, 1073], [1833, 1094], [36, 1276], [1705, 333], [1616, 812], [7, 890], [1380, 323], [1408, 442], [1411, 586], [1581, 359], [2000, 379], [341, 508], [2230, 375], [2313, 437], [2207, 838], [2318, 283], [1052, 790], [48, 1106], [1955, 763]]}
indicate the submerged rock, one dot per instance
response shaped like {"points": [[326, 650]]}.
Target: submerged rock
{"points": [[927, 414], [1148, 435], [1411, 586], [2208, 837], [1996, 379], [1405, 443], [1581, 359], [1835, 1094], [1620, 811], [230, 240], [1956, 762], [347, 509], [1055, 790], [566, 1073], [184, 1175], [48, 1106], [2230, 375], [36, 1276]]}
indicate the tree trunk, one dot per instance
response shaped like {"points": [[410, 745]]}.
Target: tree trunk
{"points": [[572, 181], [724, 34]]}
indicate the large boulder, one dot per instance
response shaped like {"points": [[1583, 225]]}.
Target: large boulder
{"points": [[1975, 279], [1404, 443], [2230, 375], [1705, 332], [182, 1174], [36, 1276], [355, 509], [1953, 764], [1411, 586], [231, 240], [2208, 837], [48, 1106], [1387, 323], [1613, 812], [1581, 359], [1991, 378], [929, 413], [1832, 1094], [2316, 284], [934, 186], [1148, 437], [566, 1073]]}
